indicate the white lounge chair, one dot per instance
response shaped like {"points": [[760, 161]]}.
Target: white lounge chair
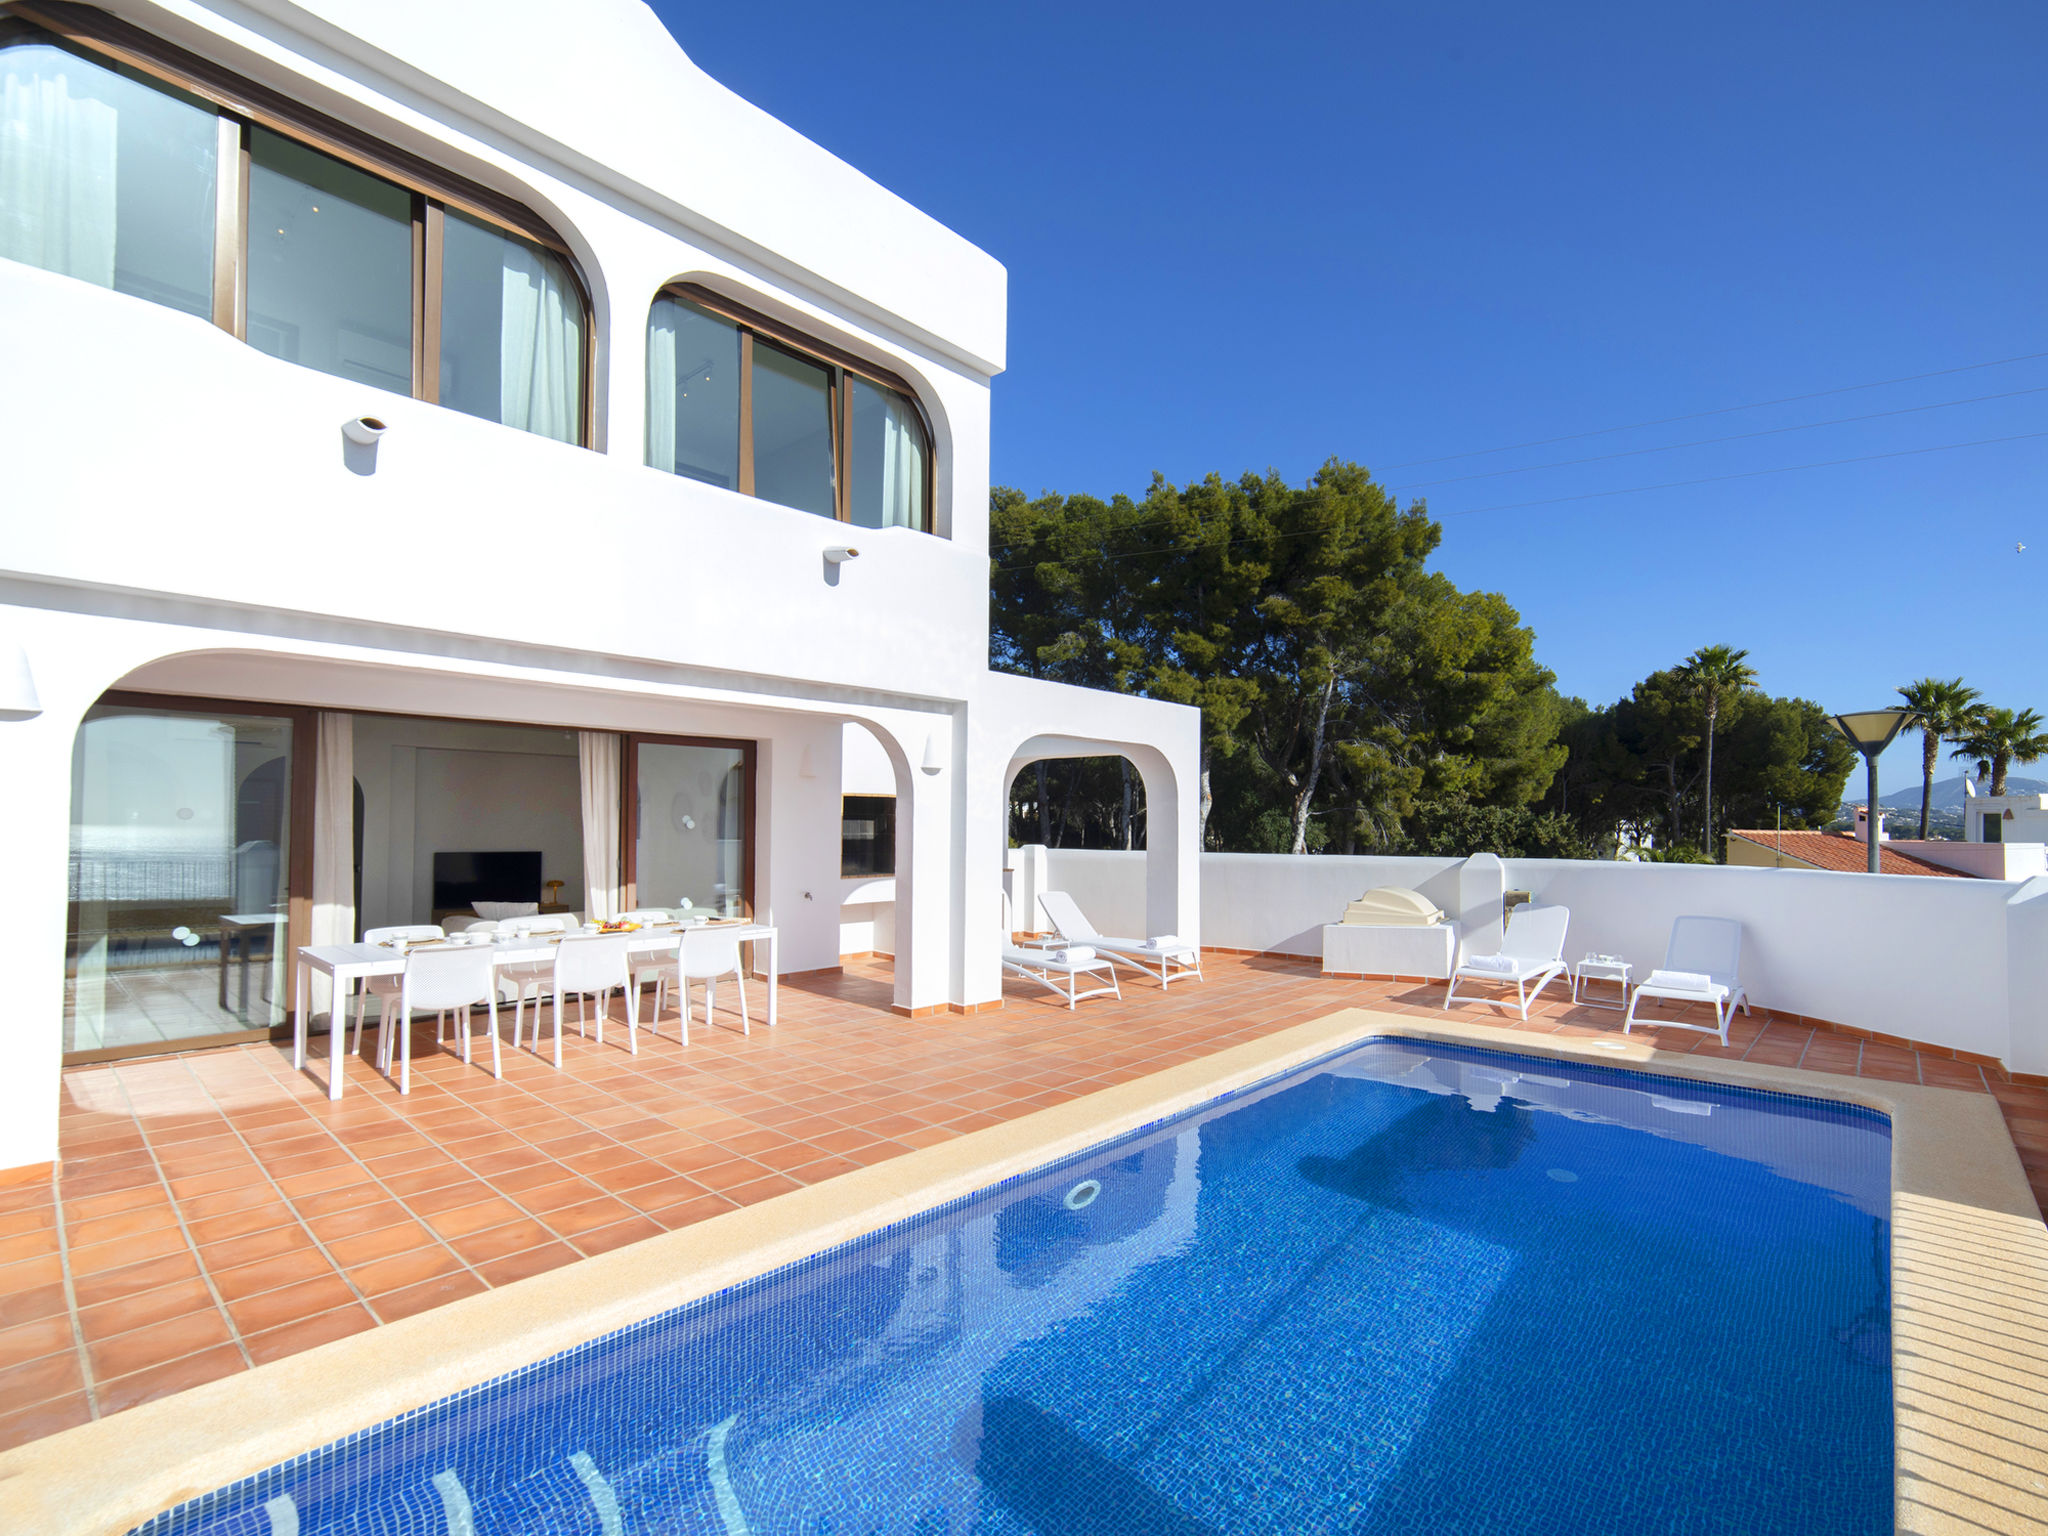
{"points": [[1074, 962], [1702, 964], [1165, 957], [1531, 955]]}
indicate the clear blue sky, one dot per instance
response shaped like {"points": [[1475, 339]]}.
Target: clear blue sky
{"points": [[1250, 237]]}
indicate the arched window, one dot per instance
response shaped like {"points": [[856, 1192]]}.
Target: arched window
{"points": [[136, 166], [737, 400]]}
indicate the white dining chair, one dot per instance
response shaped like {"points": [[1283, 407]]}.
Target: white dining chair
{"points": [[649, 970], [585, 966], [706, 954], [441, 981], [385, 988], [516, 975]]}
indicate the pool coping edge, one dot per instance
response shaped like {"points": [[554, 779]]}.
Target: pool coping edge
{"points": [[1969, 1293]]}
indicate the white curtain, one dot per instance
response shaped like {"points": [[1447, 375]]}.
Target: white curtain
{"points": [[58, 172], [661, 386], [598, 753], [334, 841], [902, 463], [541, 358]]}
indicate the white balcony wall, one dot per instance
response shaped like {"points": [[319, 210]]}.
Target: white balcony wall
{"points": [[215, 473], [1956, 963]]}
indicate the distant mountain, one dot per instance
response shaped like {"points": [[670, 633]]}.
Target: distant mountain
{"points": [[1948, 793]]}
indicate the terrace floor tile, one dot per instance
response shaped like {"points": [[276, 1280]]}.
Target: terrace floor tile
{"points": [[314, 1220]]}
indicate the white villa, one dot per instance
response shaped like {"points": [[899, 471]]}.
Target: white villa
{"points": [[426, 484]]}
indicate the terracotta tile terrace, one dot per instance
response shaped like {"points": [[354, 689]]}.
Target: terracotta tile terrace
{"points": [[214, 1210]]}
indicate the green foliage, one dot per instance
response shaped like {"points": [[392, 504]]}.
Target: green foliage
{"points": [[1636, 770], [1339, 680], [1353, 700], [1459, 827], [1943, 711], [1715, 674], [1994, 739], [1681, 853]]}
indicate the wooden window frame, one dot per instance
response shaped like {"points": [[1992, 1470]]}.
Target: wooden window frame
{"points": [[839, 364], [298, 869], [629, 818], [244, 105]]}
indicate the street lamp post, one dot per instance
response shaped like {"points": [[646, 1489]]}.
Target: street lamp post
{"points": [[1870, 732]]}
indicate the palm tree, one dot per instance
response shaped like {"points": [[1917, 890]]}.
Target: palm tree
{"points": [[1715, 674], [1944, 711], [1998, 738]]}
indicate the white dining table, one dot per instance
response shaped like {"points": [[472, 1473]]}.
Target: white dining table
{"points": [[349, 965]]}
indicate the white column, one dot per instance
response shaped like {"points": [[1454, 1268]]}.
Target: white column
{"points": [[985, 815], [926, 861], [797, 863], [1482, 890], [1173, 849], [35, 786]]}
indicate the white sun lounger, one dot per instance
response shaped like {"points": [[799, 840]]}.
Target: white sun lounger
{"points": [[1165, 958], [1530, 955], [1702, 964], [1043, 965]]}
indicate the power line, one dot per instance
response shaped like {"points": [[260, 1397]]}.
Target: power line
{"points": [[1725, 410], [1551, 501], [1746, 474], [1705, 442]]}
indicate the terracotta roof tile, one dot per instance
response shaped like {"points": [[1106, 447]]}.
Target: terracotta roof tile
{"points": [[1838, 851]]}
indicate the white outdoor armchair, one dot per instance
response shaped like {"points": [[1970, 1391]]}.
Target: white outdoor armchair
{"points": [[1702, 964], [1531, 955], [1164, 957]]}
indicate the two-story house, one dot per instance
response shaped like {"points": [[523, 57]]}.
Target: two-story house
{"points": [[464, 453]]}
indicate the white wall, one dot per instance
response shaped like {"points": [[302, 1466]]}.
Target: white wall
{"points": [[867, 907], [461, 785], [1959, 963], [230, 548], [1981, 861]]}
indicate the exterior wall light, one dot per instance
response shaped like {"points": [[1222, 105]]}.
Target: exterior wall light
{"points": [[18, 697], [1870, 732], [933, 762]]}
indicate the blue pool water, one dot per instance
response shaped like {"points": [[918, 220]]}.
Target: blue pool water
{"points": [[1410, 1289]]}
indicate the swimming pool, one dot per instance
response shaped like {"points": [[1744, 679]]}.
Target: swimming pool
{"points": [[1414, 1287]]}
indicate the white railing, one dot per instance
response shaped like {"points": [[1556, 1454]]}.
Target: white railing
{"points": [[1955, 963]]}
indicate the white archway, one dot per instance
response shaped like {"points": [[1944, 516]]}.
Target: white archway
{"points": [[1172, 882]]}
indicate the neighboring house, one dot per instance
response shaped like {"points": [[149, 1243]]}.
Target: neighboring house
{"points": [[462, 455], [1838, 851], [2005, 819]]}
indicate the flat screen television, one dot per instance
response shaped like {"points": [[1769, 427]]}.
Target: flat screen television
{"points": [[462, 879]]}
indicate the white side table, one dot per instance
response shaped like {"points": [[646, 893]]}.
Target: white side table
{"points": [[1601, 968]]}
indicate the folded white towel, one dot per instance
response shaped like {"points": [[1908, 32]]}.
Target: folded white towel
{"points": [[1681, 981], [1503, 965], [1165, 941], [1074, 954]]}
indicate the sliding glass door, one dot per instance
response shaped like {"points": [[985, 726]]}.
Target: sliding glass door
{"points": [[183, 843], [690, 842]]}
